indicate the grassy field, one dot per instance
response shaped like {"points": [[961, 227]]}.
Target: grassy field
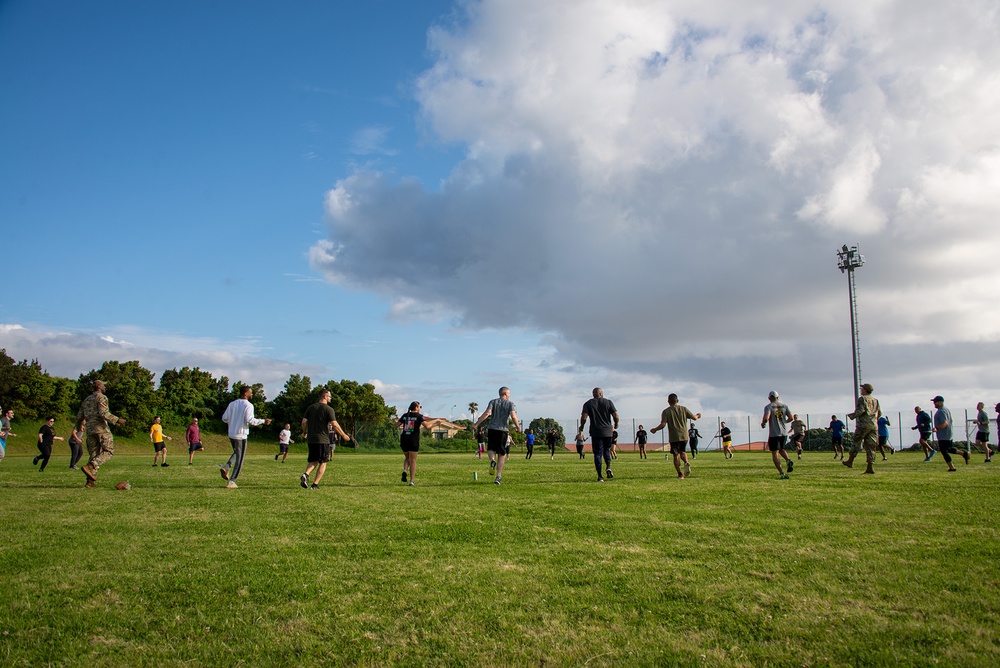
{"points": [[729, 567]]}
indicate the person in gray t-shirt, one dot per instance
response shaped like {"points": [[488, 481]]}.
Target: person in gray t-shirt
{"points": [[983, 435], [500, 411], [943, 429], [776, 418]]}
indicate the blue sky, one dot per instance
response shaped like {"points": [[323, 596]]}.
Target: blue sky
{"points": [[444, 197]]}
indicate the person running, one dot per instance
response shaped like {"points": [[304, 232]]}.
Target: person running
{"points": [[866, 414], [603, 418], [46, 436], [156, 437], [798, 428], [943, 429], [500, 412], [552, 440], [883, 437], [726, 436], [693, 436], [983, 435], [776, 418], [924, 427], [837, 437], [580, 440], [76, 438], [529, 443], [100, 442], [409, 438], [480, 443], [675, 418], [284, 440], [317, 424], [614, 444], [239, 416], [5, 431], [640, 439], [193, 438]]}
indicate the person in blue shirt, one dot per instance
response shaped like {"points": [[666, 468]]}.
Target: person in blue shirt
{"points": [[529, 442], [883, 437], [837, 437]]}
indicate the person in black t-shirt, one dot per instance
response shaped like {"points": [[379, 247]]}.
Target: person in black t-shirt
{"points": [[45, 438], [316, 424], [640, 439], [409, 438]]}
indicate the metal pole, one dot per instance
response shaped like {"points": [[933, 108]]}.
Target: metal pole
{"points": [[850, 259]]}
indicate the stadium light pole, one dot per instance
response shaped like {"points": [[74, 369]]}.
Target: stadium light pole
{"points": [[849, 259]]}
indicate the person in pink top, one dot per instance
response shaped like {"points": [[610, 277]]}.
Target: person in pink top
{"points": [[193, 438]]}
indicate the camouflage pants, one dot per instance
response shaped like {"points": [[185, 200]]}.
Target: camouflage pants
{"points": [[867, 437], [100, 446]]}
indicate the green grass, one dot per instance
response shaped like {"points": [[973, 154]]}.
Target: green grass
{"points": [[729, 567]]}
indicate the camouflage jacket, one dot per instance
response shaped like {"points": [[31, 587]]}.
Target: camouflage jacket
{"points": [[867, 412], [94, 410]]}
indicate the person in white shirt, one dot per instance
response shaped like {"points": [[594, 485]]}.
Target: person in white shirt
{"points": [[239, 417], [284, 439]]}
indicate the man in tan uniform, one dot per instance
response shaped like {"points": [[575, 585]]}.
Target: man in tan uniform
{"points": [[100, 442], [866, 415]]}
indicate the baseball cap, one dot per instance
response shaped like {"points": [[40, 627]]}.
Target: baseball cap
{"points": [[938, 398], [772, 395]]}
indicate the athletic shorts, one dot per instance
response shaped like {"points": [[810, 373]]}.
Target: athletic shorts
{"points": [[925, 436], [947, 446], [982, 437], [409, 447], [837, 440], [776, 443], [727, 441], [496, 441], [283, 447], [677, 447], [798, 438], [195, 446], [883, 440], [319, 453], [159, 446]]}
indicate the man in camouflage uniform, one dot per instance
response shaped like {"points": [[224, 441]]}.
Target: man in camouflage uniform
{"points": [[100, 442], [866, 415]]}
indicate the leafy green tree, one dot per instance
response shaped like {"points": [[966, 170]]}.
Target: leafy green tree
{"points": [[542, 427], [356, 403], [130, 393], [291, 403], [187, 393], [63, 397], [27, 388]]}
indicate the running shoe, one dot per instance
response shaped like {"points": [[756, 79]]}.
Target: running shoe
{"points": [[790, 466], [403, 478], [783, 476], [600, 479], [609, 474], [411, 483], [304, 481], [496, 481], [223, 472], [687, 469], [164, 464], [314, 486], [276, 458], [231, 484]]}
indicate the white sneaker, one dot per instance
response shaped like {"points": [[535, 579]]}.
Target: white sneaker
{"points": [[687, 469]]}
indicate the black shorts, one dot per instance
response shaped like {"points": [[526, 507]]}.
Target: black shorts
{"points": [[195, 446], [982, 437], [798, 438], [406, 446], [882, 440], [947, 446], [496, 441], [677, 447], [925, 436], [283, 447], [319, 453], [776, 443], [159, 446], [837, 440]]}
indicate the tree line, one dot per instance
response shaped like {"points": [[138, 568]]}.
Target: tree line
{"points": [[182, 394]]}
